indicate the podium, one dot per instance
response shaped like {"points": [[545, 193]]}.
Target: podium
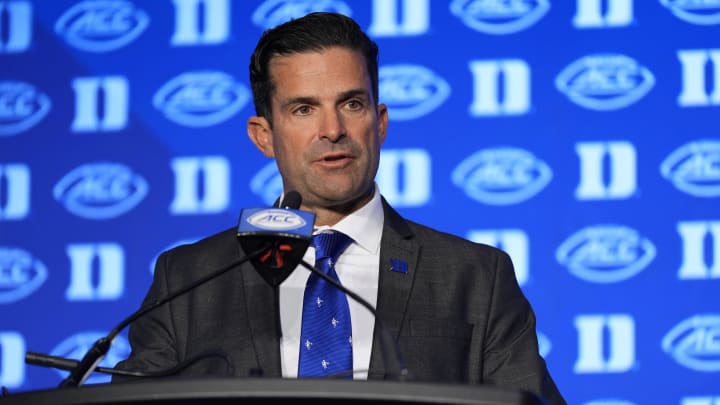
{"points": [[269, 391]]}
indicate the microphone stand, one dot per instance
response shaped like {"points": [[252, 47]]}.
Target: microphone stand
{"points": [[81, 370], [97, 352], [46, 360], [394, 362]]}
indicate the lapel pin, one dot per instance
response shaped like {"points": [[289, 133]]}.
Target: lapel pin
{"points": [[399, 266]]}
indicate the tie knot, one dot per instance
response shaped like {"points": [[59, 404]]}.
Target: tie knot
{"points": [[330, 245]]}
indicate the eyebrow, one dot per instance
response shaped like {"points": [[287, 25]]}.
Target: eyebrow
{"points": [[354, 93], [314, 101]]}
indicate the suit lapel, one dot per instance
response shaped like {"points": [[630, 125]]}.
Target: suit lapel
{"points": [[394, 286], [261, 303]]}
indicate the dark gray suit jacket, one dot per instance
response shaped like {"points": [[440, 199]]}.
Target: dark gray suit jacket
{"points": [[457, 314]]}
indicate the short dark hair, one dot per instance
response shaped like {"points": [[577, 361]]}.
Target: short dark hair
{"points": [[313, 32]]}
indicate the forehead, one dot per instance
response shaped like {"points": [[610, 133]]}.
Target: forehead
{"points": [[319, 72]]}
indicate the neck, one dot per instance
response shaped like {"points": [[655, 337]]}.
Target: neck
{"points": [[331, 214]]}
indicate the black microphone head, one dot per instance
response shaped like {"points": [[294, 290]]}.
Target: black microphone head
{"points": [[292, 200], [284, 233]]}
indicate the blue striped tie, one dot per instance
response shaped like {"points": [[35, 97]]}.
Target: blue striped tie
{"points": [[326, 336]]}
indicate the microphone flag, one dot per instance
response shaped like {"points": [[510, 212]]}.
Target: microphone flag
{"points": [[285, 233]]}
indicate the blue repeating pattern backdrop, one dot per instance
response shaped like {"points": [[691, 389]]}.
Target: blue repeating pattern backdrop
{"points": [[581, 136]]}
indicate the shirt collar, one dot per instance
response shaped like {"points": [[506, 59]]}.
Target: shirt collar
{"points": [[364, 225]]}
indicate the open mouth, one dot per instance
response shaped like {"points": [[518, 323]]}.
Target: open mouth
{"points": [[335, 157]]}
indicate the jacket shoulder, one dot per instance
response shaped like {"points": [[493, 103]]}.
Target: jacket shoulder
{"points": [[212, 252], [443, 242]]}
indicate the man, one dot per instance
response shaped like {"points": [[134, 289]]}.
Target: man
{"points": [[453, 306]]}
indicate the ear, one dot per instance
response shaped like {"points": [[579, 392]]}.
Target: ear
{"points": [[382, 112], [260, 134]]}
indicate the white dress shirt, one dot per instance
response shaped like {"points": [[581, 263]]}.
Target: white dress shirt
{"points": [[358, 270]]}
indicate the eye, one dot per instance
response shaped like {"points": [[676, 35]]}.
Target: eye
{"points": [[302, 110], [354, 105]]}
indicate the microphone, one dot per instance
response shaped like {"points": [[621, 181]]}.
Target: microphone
{"points": [[54, 361], [61, 363], [292, 201], [277, 240], [287, 231]]}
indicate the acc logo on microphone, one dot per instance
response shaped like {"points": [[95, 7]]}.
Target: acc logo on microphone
{"points": [[499, 16], [702, 12], [411, 91], [100, 190], [201, 99], [502, 175], [693, 342], [275, 12], [695, 168], [605, 81], [20, 274], [21, 107], [605, 253], [276, 220], [75, 347], [101, 25]]}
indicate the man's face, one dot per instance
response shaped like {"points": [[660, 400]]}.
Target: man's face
{"points": [[327, 132]]}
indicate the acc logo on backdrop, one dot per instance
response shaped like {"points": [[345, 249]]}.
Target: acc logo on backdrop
{"points": [[693, 342], [499, 16], [100, 190], [502, 176], [102, 25], [703, 12], [411, 91], [201, 99], [544, 345], [605, 253], [605, 81], [612, 401], [77, 345], [22, 106], [272, 13], [695, 168], [20, 274], [267, 183]]}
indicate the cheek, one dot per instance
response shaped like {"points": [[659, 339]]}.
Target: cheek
{"points": [[282, 144], [290, 153]]}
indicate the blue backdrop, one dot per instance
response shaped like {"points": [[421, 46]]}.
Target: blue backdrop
{"points": [[581, 136]]}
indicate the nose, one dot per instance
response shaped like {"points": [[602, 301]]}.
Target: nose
{"points": [[332, 126]]}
